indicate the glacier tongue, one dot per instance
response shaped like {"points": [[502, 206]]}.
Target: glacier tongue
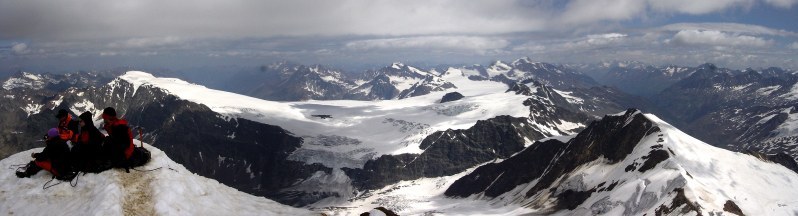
{"points": [[169, 189]]}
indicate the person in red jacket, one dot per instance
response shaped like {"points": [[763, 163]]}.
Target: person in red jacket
{"points": [[87, 146], [54, 158], [118, 145], [66, 127]]}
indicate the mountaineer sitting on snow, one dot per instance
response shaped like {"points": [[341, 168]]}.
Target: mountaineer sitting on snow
{"points": [[119, 143], [87, 146], [54, 158], [66, 126]]}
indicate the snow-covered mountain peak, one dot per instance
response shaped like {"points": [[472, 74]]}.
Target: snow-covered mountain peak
{"points": [[283, 66], [397, 65], [633, 164], [222, 102], [25, 80], [524, 60], [674, 70], [139, 78], [402, 70], [162, 187], [497, 68], [379, 127], [499, 65]]}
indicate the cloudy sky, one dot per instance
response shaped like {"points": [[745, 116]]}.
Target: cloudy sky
{"points": [[90, 34]]}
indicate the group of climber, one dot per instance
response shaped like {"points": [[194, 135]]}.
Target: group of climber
{"points": [[67, 152]]}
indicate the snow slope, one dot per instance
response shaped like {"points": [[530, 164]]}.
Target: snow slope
{"points": [[169, 189], [710, 177], [666, 172], [420, 197], [362, 129]]}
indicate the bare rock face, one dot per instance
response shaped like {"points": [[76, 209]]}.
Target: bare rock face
{"points": [[497, 137], [611, 138], [451, 96], [379, 88], [428, 85], [452, 151], [286, 81], [240, 153], [736, 110]]}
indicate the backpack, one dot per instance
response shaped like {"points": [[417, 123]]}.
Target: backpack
{"points": [[139, 157]]}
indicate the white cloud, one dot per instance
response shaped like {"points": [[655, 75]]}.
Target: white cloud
{"points": [[266, 18], [588, 11], [728, 27], [432, 42], [108, 53], [718, 38], [794, 45], [592, 11], [150, 42], [584, 43], [697, 7], [782, 3], [20, 48], [606, 36], [593, 41]]}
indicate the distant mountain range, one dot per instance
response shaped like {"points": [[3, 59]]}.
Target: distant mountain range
{"points": [[521, 137]]}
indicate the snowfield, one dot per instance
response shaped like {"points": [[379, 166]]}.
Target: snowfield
{"points": [[420, 197], [379, 127], [708, 177], [169, 189]]}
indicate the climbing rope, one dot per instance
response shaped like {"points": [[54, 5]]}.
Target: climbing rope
{"points": [[18, 166], [46, 186], [77, 176]]}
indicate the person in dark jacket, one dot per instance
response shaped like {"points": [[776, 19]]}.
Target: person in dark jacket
{"points": [[87, 145], [118, 145], [54, 158]]}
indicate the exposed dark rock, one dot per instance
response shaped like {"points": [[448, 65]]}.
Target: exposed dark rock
{"points": [[570, 199], [477, 78], [612, 186], [637, 78], [613, 138], [780, 158], [732, 207], [653, 158], [448, 152], [680, 201], [557, 76], [452, 151], [525, 167], [428, 85], [322, 116], [240, 153], [630, 167], [378, 88], [520, 89], [451, 96], [383, 210], [503, 79], [733, 109], [286, 81]]}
